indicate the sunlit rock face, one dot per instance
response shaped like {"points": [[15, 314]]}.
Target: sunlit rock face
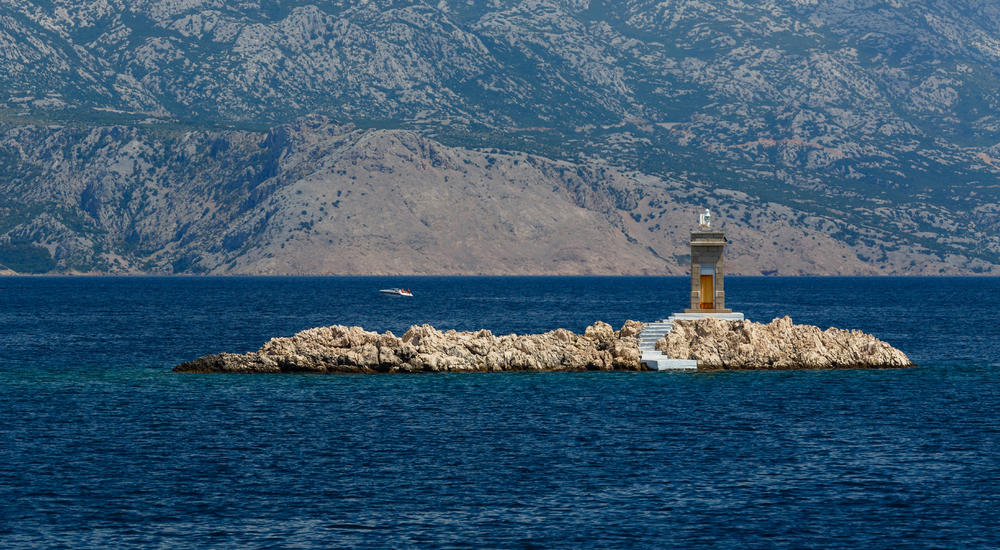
{"points": [[425, 349], [715, 344], [780, 344]]}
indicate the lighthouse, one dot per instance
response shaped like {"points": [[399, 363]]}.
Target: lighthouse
{"points": [[708, 269], [708, 297]]}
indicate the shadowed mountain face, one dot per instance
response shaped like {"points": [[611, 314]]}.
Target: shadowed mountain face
{"points": [[870, 127]]}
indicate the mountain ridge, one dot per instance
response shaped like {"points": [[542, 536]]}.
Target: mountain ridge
{"points": [[877, 118], [321, 198]]}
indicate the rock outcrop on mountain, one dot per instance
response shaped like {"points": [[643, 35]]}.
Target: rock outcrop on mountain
{"points": [[745, 345], [340, 349]]}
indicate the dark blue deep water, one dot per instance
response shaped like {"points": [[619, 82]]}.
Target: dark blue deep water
{"points": [[103, 446]]}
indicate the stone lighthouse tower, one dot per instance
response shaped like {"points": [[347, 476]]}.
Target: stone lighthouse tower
{"points": [[708, 278], [708, 297]]}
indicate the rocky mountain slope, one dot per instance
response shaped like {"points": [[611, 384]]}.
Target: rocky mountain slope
{"points": [[315, 197], [132, 134]]}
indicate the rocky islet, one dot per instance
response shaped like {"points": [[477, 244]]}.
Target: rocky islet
{"points": [[715, 344]]}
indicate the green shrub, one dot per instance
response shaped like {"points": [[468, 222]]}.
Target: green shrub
{"points": [[26, 257]]}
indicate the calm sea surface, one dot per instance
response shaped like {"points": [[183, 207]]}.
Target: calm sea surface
{"points": [[101, 445]]}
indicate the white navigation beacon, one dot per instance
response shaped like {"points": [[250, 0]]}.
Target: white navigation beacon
{"points": [[705, 219]]}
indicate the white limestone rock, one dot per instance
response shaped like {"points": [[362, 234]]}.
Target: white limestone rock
{"points": [[425, 349], [780, 344]]}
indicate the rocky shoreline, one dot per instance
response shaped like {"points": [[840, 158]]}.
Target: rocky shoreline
{"points": [[716, 344], [780, 344], [340, 349]]}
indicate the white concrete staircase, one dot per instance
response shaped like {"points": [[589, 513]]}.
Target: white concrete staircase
{"points": [[655, 360]]}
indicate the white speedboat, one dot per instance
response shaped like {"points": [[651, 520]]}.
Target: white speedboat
{"points": [[397, 292]]}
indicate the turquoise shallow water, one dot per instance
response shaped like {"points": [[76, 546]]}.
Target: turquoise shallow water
{"points": [[103, 446]]}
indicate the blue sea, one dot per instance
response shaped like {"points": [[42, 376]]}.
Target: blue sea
{"points": [[102, 446]]}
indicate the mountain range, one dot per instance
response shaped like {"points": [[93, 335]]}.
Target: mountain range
{"points": [[535, 137]]}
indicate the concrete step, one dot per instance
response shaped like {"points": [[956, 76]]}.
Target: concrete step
{"points": [[652, 333], [736, 316], [654, 360]]}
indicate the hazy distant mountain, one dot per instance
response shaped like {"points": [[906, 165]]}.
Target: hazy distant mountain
{"points": [[871, 125], [314, 197]]}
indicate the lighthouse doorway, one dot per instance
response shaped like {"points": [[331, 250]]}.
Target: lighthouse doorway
{"points": [[707, 287]]}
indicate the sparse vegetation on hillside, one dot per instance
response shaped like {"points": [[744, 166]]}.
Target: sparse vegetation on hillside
{"points": [[131, 131]]}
